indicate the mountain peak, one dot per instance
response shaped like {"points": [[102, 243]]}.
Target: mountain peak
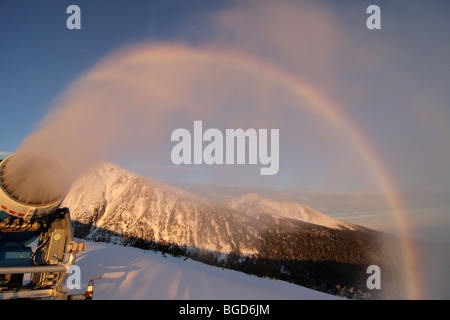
{"points": [[254, 204], [111, 198]]}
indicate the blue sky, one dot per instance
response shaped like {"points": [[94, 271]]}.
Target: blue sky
{"points": [[40, 57], [393, 82]]}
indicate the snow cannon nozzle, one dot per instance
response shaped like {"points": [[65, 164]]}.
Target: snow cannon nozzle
{"points": [[16, 204]]}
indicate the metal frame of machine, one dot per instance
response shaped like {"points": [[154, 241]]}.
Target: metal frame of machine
{"points": [[53, 256], [48, 276]]}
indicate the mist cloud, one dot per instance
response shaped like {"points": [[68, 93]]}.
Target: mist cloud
{"points": [[133, 98]]}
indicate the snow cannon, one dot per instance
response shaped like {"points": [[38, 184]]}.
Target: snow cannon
{"points": [[41, 225], [27, 210]]}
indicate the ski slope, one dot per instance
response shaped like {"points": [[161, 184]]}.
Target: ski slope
{"points": [[131, 273]]}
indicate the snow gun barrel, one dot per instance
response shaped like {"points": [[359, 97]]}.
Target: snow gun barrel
{"points": [[12, 205]]}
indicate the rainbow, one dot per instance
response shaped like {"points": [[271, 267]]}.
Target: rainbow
{"points": [[332, 112], [328, 109]]}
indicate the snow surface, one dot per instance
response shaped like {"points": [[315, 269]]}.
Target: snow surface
{"points": [[132, 273]]}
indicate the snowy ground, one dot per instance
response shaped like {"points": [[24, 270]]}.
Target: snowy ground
{"points": [[131, 273]]}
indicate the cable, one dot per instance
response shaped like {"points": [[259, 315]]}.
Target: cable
{"points": [[33, 254]]}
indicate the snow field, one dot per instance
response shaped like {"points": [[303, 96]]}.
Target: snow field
{"points": [[136, 274]]}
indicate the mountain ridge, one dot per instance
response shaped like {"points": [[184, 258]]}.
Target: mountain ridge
{"points": [[116, 199], [257, 235], [255, 204]]}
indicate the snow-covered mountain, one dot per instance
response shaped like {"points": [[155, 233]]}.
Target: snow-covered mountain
{"points": [[284, 240], [255, 205], [109, 197]]}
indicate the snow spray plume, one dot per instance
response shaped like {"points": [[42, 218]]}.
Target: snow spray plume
{"points": [[132, 101], [124, 102]]}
